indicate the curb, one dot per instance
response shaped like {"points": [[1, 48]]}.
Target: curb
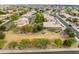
{"points": [[38, 51]]}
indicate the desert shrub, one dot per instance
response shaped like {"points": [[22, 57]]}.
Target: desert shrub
{"points": [[37, 27], [12, 45], [58, 42], [40, 42], [2, 43], [24, 43], [2, 28], [69, 32], [69, 42], [2, 35], [27, 28], [14, 17]]}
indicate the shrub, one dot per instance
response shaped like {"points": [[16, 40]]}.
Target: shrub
{"points": [[2, 28], [69, 42], [27, 28], [58, 42], [40, 42], [69, 32], [37, 27], [38, 21], [14, 17], [12, 45], [72, 39], [1, 21], [24, 43], [39, 17], [2, 42], [2, 35]]}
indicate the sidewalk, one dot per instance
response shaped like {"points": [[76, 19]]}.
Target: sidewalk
{"points": [[42, 50]]}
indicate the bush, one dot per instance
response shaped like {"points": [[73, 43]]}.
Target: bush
{"points": [[2, 35], [69, 42], [40, 42], [72, 39], [38, 21], [27, 28], [2, 42], [14, 17], [12, 45], [2, 28], [24, 43], [39, 17], [37, 27], [69, 32], [1, 21], [58, 42]]}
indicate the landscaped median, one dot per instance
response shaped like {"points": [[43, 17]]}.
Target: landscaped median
{"points": [[37, 43]]}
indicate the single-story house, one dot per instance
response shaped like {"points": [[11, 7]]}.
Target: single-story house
{"points": [[48, 18], [3, 16], [51, 22], [50, 25], [22, 21]]}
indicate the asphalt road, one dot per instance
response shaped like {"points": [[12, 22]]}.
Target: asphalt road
{"points": [[4, 23], [75, 31]]}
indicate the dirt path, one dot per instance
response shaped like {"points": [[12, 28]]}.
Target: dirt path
{"points": [[10, 36]]}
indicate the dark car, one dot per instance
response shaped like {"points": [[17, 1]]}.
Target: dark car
{"points": [[70, 25]]}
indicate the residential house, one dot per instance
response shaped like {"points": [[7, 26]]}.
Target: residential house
{"points": [[22, 21], [51, 22]]}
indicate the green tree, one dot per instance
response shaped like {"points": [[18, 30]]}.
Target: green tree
{"points": [[37, 27], [58, 42], [40, 42], [39, 17], [14, 17], [2, 35], [69, 32], [2, 28], [24, 43], [38, 21], [12, 45], [69, 42]]}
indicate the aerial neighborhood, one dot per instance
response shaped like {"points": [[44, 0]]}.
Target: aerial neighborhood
{"points": [[31, 27]]}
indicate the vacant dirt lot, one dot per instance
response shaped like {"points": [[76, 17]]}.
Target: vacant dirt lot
{"points": [[11, 36]]}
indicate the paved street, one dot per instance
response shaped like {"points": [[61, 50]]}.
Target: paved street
{"points": [[75, 31], [4, 23]]}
